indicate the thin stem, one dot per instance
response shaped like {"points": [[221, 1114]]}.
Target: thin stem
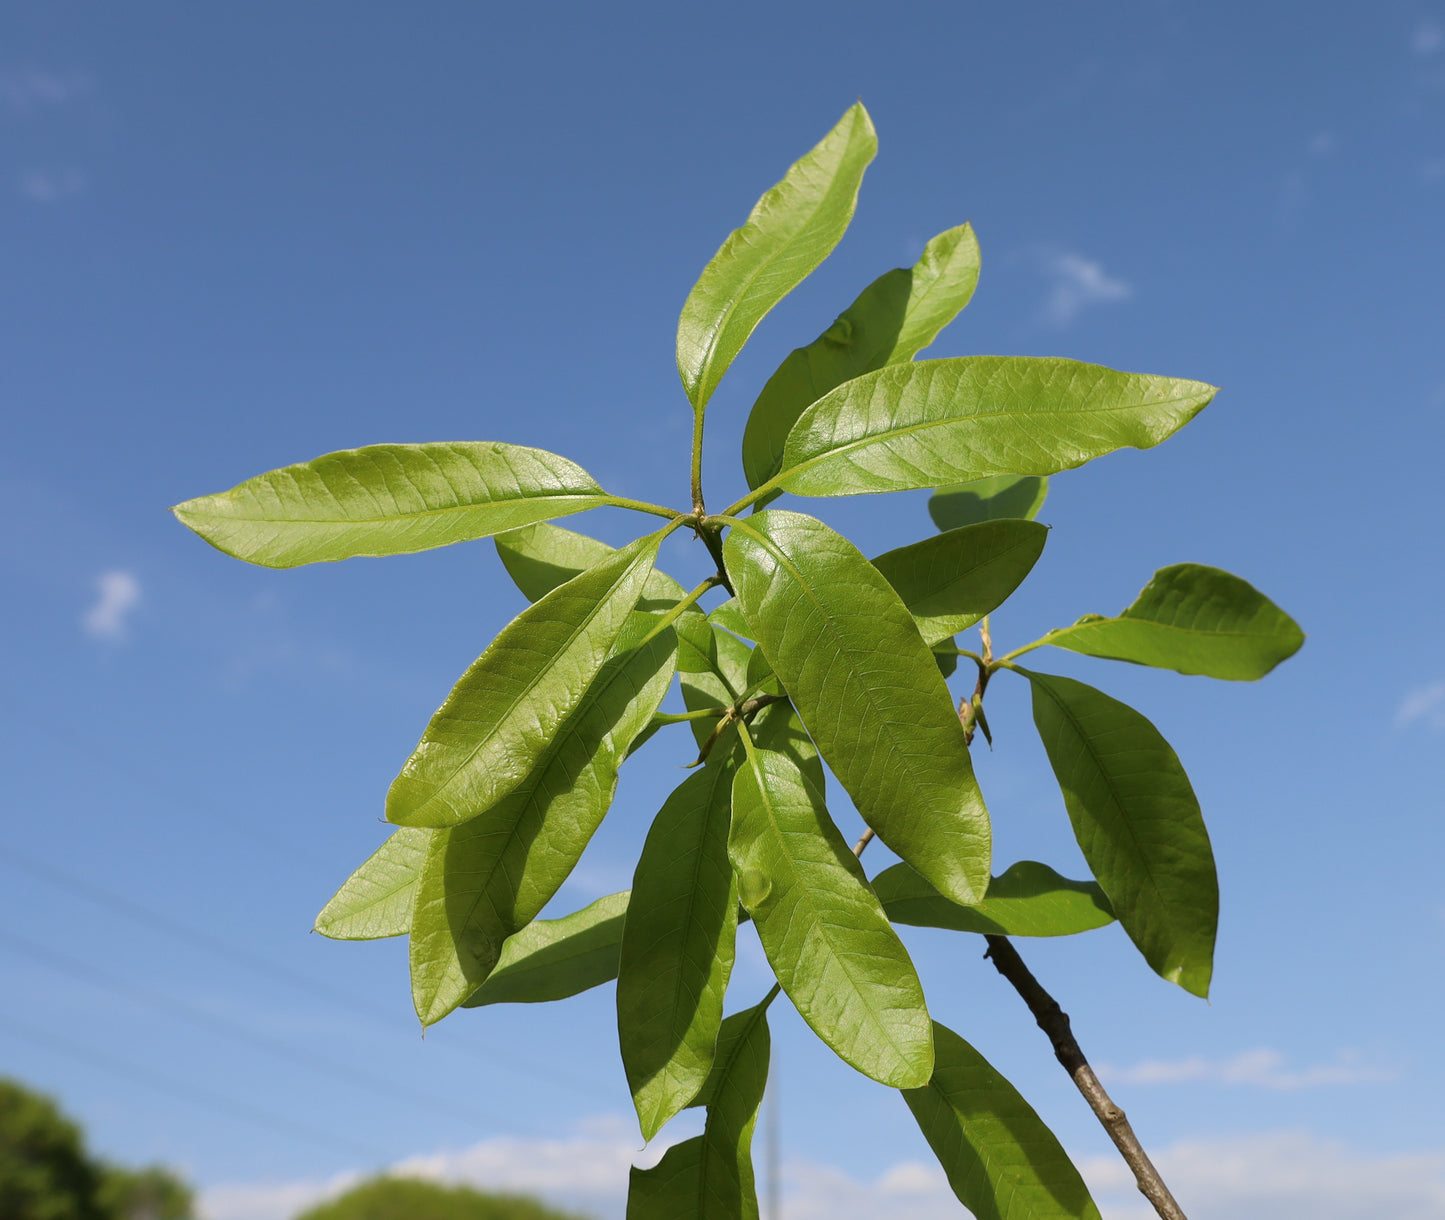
{"points": [[1054, 1021], [756, 494], [712, 539], [1018, 652], [697, 504], [642, 506], [970, 711], [676, 612], [863, 840], [707, 713]]}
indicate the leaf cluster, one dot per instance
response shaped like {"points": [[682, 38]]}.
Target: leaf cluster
{"points": [[819, 655]]}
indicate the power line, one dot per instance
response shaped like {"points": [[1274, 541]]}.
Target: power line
{"points": [[161, 1082], [107, 899], [237, 1032]]}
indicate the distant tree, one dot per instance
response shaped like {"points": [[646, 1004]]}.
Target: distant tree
{"points": [[409, 1199], [47, 1174], [145, 1194]]}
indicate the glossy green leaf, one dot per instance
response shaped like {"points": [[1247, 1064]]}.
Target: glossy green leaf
{"points": [[1137, 820], [777, 728], [945, 653], [761, 678], [893, 319], [377, 899], [720, 686], [551, 959], [823, 930], [1195, 620], [541, 557], [789, 232], [730, 616], [868, 689], [389, 500], [505, 711], [710, 1177], [677, 948], [1016, 497], [1002, 1162], [950, 581], [1026, 899], [488, 878], [938, 422]]}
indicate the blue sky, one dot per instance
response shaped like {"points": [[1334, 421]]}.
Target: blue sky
{"points": [[239, 237]]}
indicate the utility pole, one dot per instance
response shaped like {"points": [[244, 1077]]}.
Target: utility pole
{"points": [[774, 1169]]}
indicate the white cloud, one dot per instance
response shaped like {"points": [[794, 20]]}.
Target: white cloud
{"points": [[1279, 1176], [1267, 1176], [1425, 703], [26, 89], [1427, 37], [52, 183], [119, 594], [1262, 1069], [1078, 282]]}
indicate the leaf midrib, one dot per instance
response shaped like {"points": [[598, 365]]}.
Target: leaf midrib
{"points": [[818, 919], [422, 514], [1210, 632], [759, 1012], [923, 426], [559, 746], [1119, 804], [842, 650], [722, 774], [527, 690], [704, 373]]}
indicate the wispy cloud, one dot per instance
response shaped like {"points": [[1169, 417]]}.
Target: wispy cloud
{"points": [[1425, 703], [1427, 37], [1261, 1069], [24, 90], [1260, 1176], [118, 593], [51, 184], [1078, 283]]}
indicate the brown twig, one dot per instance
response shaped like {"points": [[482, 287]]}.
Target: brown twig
{"points": [[1054, 1021]]}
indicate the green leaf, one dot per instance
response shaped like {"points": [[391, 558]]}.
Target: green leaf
{"points": [[1001, 1161], [389, 500], [1005, 496], [824, 933], [677, 948], [721, 685], [1195, 620], [488, 878], [950, 581], [1138, 822], [551, 959], [541, 557], [869, 690], [729, 615], [937, 422], [1027, 899], [710, 1177], [377, 898], [760, 679], [893, 319], [505, 711], [789, 232]]}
